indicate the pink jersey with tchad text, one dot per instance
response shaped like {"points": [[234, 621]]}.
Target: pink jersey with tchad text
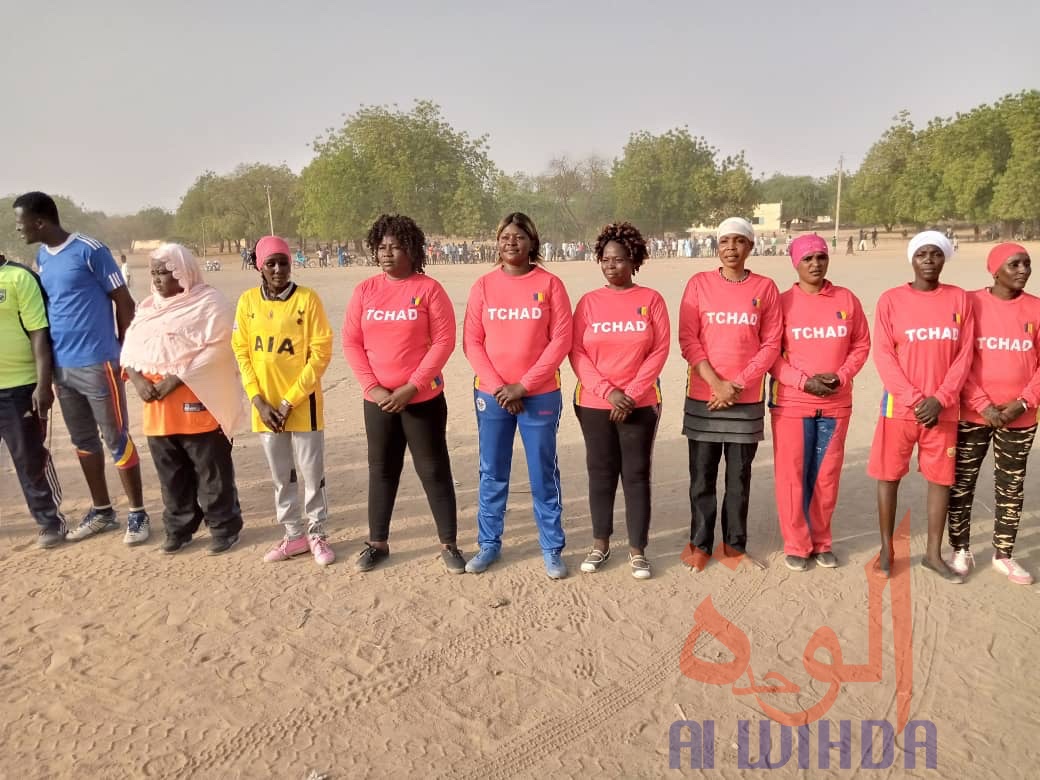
{"points": [[517, 329], [399, 331], [1005, 366], [621, 340], [735, 326], [923, 347], [825, 333]]}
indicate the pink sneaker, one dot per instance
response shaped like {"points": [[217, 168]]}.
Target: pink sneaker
{"points": [[323, 554], [287, 548], [1009, 568]]}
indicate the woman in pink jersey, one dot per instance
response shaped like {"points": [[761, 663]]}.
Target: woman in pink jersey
{"points": [[621, 339], [398, 332], [998, 403], [730, 326], [825, 344], [923, 348], [516, 334]]}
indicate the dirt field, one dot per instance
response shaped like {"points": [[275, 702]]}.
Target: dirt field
{"points": [[118, 662]]}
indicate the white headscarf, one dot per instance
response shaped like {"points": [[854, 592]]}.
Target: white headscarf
{"points": [[738, 226], [933, 237]]}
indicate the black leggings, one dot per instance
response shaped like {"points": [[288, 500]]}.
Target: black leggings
{"points": [[422, 428], [623, 450]]}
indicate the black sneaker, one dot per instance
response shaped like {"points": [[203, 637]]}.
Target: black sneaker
{"points": [[796, 563], [221, 544], [453, 561], [172, 544], [369, 557], [50, 537], [827, 560]]}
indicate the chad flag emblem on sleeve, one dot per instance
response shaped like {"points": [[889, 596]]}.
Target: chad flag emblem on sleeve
{"points": [[1030, 327], [539, 297], [642, 311], [843, 315], [958, 317], [417, 300]]}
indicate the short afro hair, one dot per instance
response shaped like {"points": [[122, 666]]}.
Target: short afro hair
{"points": [[404, 230], [626, 234], [38, 204]]}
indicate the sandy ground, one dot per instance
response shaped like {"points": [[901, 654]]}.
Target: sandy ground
{"points": [[118, 662]]}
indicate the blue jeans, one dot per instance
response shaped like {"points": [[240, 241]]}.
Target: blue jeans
{"points": [[496, 430]]}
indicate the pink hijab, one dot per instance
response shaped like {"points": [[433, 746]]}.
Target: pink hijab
{"points": [[271, 245], [808, 244], [189, 335]]}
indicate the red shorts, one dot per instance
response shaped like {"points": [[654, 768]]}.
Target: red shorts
{"points": [[893, 445]]}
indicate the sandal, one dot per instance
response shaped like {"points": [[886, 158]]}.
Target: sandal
{"points": [[594, 560], [640, 566]]}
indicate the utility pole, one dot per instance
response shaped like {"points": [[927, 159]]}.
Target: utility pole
{"points": [[837, 205], [270, 214], [203, 236]]}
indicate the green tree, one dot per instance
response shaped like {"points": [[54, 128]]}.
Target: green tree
{"points": [[384, 159], [1016, 197], [803, 197], [522, 192], [733, 190], [226, 209], [580, 195], [970, 154], [666, 182], [871, 187]]}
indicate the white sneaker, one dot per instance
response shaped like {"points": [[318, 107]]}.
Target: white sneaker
{"points": [[962, 561], [1009, 568], [138, 527]]}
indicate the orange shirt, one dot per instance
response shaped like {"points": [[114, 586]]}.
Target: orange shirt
{"points": [[180, 412]]}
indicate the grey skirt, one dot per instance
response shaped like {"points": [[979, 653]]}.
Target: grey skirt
{"points": [[739, 424]]}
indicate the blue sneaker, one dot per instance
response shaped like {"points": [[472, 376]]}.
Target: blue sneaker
{"points": [[554, 565], [137, 527], [479, 562]]}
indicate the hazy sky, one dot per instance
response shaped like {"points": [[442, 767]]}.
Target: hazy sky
{"points": [[122, 104]]}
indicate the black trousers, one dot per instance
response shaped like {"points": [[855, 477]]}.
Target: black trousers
{"points": [[704, 472], [23, 432], [622, 450], [1011, 448], [422, 429], [197, 478]]}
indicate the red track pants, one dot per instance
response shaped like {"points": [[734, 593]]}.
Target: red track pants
{"points": [[808, 453]]}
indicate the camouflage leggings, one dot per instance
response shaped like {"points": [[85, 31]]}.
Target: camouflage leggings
{"points": [[1010, 452]]}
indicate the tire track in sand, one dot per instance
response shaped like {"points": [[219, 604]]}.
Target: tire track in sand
{"points": [[292, 729], [552, 734]]}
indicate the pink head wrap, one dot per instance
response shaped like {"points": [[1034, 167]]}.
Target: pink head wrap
{"points": [[807, 245], [270, 245], [1000, 254]]}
